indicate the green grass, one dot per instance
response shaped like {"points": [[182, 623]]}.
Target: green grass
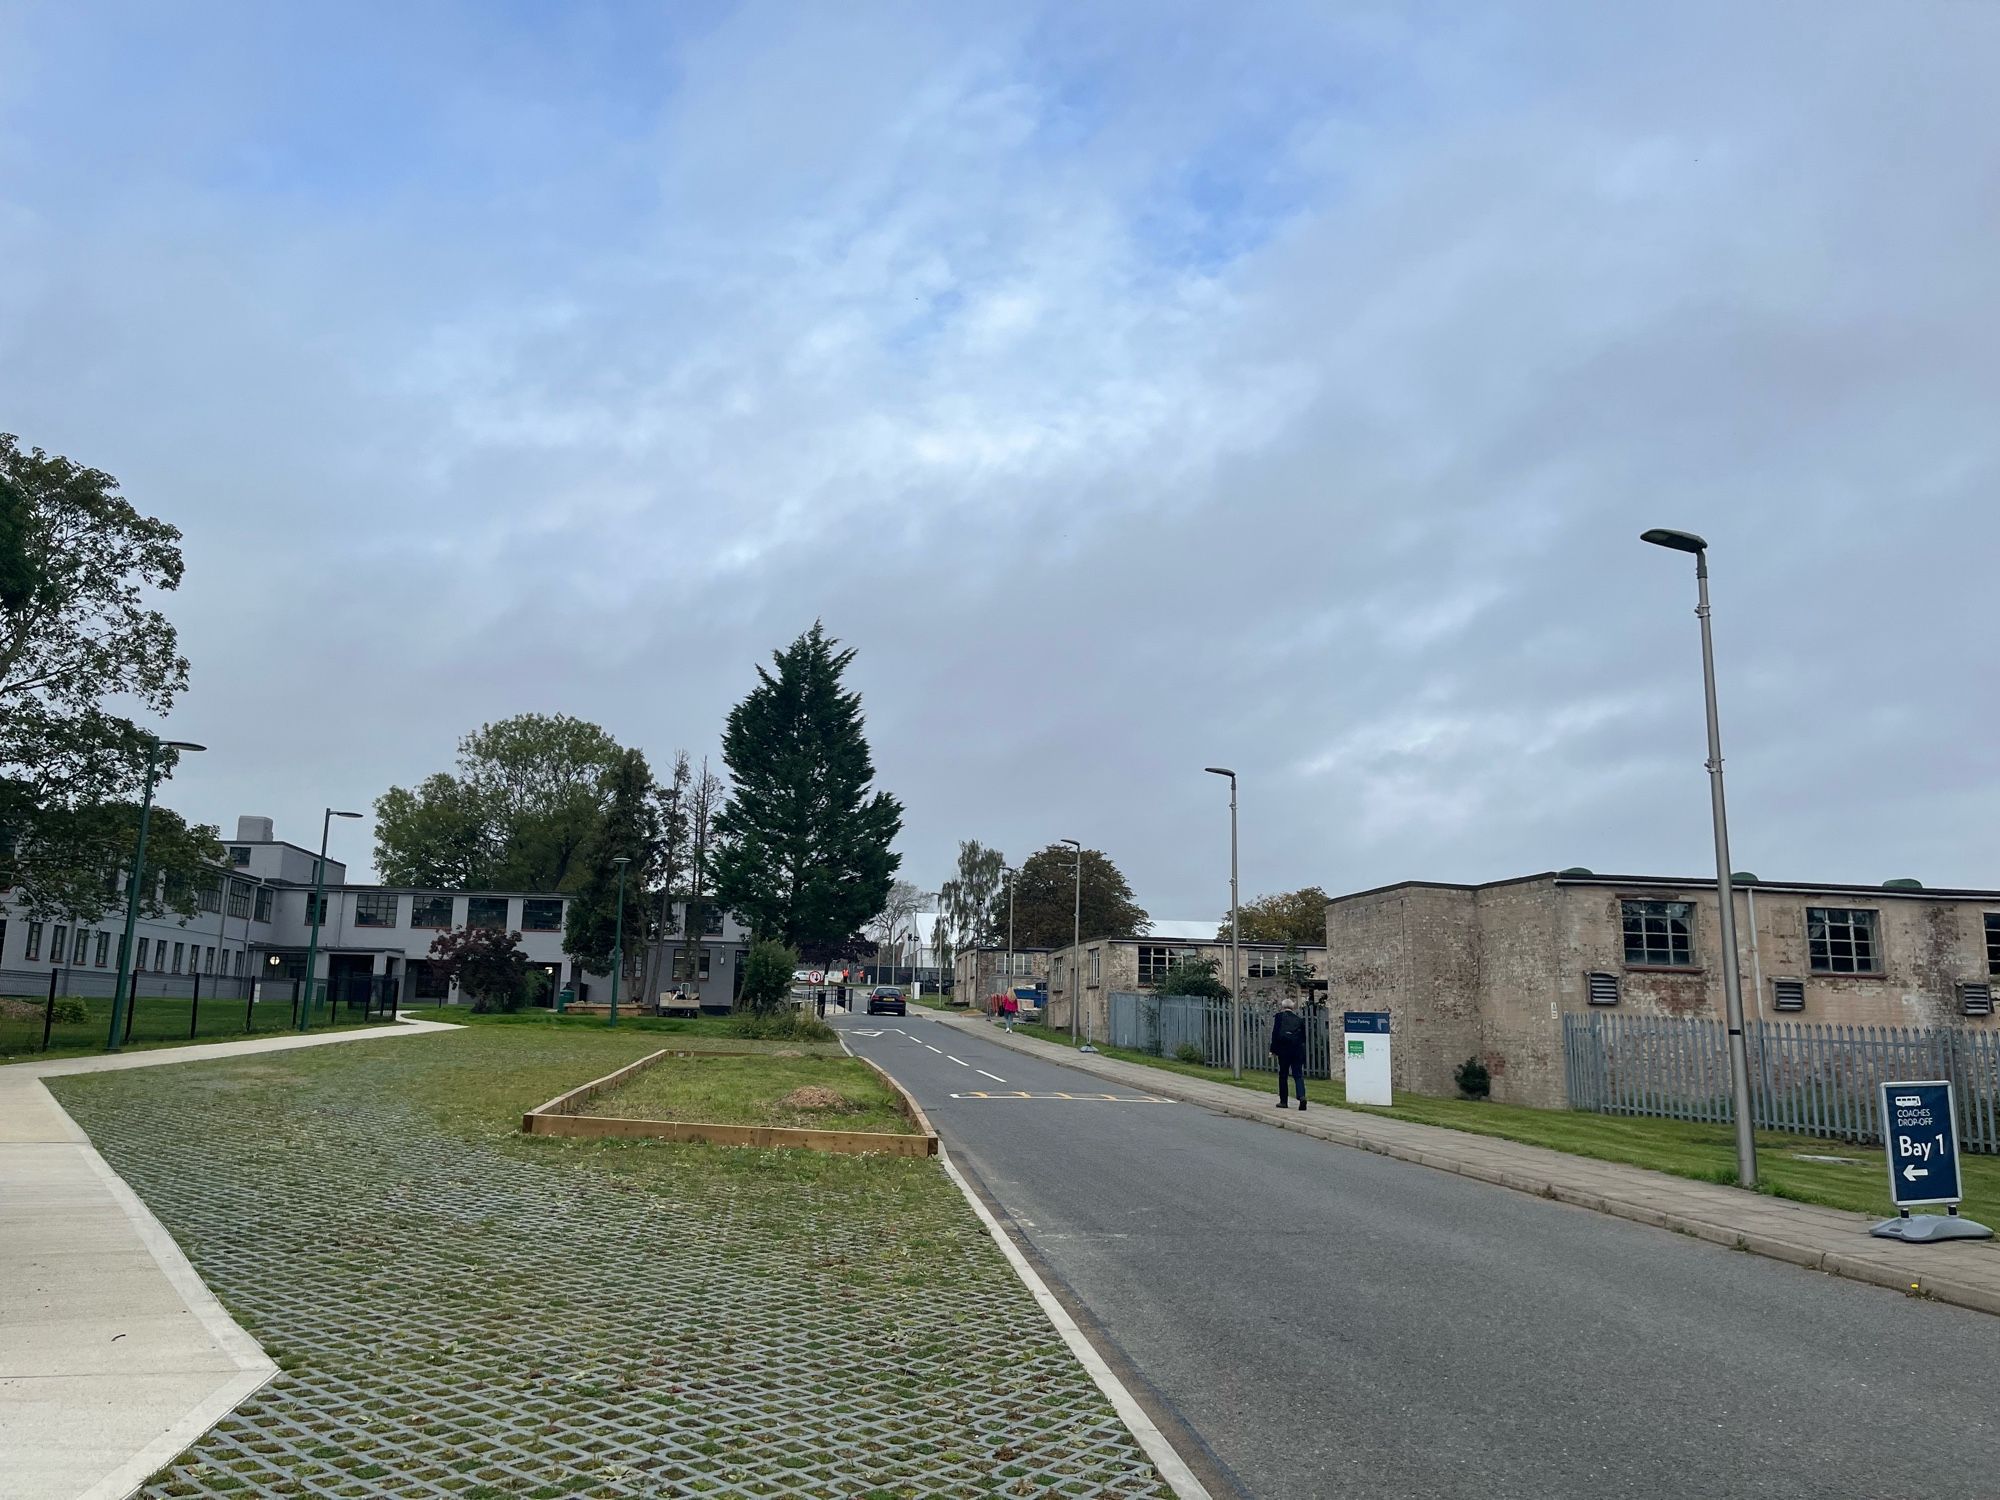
{"points": [[752, 1091], [156, 1022], [1706, 1153]]}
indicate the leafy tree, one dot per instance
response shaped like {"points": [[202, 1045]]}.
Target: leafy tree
{"points": [[804, 854], [670, 808], [767, 977], [1195, 976], [1045, 890], [970, 896], [630, 827], [76, 562], [1288, 917], [898, 918], [66, 861], [1294, 971], [529, 794], [485, 963]]}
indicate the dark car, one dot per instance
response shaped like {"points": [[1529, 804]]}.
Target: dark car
{"points": [[886, 1000]]}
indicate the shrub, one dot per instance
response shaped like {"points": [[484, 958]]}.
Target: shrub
{"points": [[1473, 1080], [70, 1011], [767, 977], [485, 963], [1195, 976], [1188, 1052], [780, 1026]]}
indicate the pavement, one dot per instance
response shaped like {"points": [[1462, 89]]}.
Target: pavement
{"points": [[1314, 1321], [113, 1354]]}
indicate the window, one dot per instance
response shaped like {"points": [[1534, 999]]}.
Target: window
{"points": [[35, 940], [1842, 941], [1659, 934], [239, 898], [239, 963], [711, 921], [541, 916], [427, 980], [208, 960], [1155, 961], [485, 911], [102, 958], [430, 911], [81, 954], [310, 916], [238, 855], [210, 894], [1096, 965], [375, 909], [1261, 966], [177, 960], [680, 965], [263, 903], [1993, 942], [59, 944], [145, 952]]}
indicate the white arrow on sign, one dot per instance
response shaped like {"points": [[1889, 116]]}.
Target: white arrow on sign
{"points": [[1911, 1174]]}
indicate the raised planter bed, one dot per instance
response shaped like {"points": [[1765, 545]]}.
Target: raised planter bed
{"points": [[562, 1116]]}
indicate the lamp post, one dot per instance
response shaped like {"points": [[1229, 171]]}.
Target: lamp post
{"points": [[1076, 952], [1010, 874], [1725, 894], [618, 943], [1235, 968], [318, 903], [127, 986]]}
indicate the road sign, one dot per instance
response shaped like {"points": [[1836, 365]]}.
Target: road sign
{"points": [[1922, 1136], [1367, 1071], [815, 977]]}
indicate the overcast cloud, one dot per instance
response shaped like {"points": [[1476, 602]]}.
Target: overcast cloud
{"points": [[1136, 387]]}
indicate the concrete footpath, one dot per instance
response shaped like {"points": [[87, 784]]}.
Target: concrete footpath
{"points": [[1965, 1273], [113, 1355]]}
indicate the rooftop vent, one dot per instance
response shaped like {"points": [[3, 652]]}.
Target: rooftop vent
{"points": [[253, 830], [1576, 870], [1743, 877], [1903, 884]]}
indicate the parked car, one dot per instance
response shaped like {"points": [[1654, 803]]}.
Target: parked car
{"points": [[887, 1000]]}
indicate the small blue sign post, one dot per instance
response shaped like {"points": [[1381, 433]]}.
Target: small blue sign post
{"points": [[1920, 1137]]}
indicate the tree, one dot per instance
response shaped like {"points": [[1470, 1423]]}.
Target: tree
{"points": [[898, 917], [670, 808], [704, 803], [485, 963], [804, 853], [1044, 892], [630, 827], [968, 898], [1195, 976], [767, 977], [1289, 917], [76, 562], [528, 796]]}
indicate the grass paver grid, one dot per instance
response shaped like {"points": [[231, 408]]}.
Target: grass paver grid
{"points": [[462, 1312]]}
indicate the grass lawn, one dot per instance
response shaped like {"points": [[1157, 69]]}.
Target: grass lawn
{"points": [[1706, 1153], [156, 1022], [753, 1091], [459, 1309]]}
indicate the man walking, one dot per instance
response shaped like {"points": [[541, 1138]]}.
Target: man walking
{"points": [[1288, 1046]]}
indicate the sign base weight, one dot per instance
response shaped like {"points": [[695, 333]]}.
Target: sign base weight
{"points": [[1927, 1229]]}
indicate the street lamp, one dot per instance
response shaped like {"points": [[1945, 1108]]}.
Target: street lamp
{"points": [[1235, 979], [1010, 874], [1076, 952], [319, 902], [618, 943], [1725, 895], [127, 984]]}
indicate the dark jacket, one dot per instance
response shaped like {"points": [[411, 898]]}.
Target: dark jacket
{"points": [[1288, 1034]]}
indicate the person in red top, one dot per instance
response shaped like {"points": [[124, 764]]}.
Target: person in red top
{"points": [[1009, 1008]]}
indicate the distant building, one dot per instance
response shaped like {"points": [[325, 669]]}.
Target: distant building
{"points": [[1490, 970], [1138, 964], [978, 973]]}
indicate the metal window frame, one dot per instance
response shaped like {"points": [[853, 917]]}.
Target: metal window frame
{"points": [[500, 926], [364, 900], [528, 901], [430, 901], [1820, 953], [1664, 913]]}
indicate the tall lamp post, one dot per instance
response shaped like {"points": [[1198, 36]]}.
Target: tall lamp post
{"points": [[618, 943], [1725, 894], [127, 987], [1010, 874], [1235, 967], [1076, 951], [318, 914]]}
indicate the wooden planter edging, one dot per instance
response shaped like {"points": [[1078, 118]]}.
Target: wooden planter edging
{"points": [[559, 1117]]}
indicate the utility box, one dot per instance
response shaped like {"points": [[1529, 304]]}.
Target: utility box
{"points": [[1366, 1033]]}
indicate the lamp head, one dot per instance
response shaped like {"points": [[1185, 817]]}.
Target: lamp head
{"points": [[621, 860], [1220, 771], [1678, 541], [181, 745], [337, 813]]}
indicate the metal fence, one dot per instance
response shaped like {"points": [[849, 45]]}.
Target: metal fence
{"points": [[1163, 1024], [1805, 1079], [70, 1009]]}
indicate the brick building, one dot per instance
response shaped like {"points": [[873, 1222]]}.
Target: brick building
{"points": [[1490, 970], [1137, 964], [977, 973]]}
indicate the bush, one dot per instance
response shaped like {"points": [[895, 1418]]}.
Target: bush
{"points": [[767, 977], [1473, 1080], [1188, 1052], [70, 1011], [780, 1026], [1195, 976]]}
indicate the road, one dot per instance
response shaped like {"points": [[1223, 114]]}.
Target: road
{"points": [[1333, 1323]]}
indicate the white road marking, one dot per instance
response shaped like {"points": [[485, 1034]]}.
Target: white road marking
{"points": [[959, 1060], [984, 1074], [938, 1050]]}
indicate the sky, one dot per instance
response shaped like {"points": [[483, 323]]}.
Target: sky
{"points": [[1135, 387]]}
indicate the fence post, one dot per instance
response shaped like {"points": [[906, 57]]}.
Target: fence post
{"points": [[131, 1011], [249, 1005], [194, 1005], [49, 1011], [295, 1003]]}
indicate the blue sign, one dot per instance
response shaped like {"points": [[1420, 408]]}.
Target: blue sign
{"points": [[1921, 1133], [1365, 1020]]}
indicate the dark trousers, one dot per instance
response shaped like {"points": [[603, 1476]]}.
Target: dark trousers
{"points": [[1292, 1070]]}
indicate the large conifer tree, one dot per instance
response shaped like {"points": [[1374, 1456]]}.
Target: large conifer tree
{"points": [[631, 827], [804, 854]]}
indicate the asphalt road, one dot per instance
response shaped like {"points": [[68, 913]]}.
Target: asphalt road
{"points": [[1333, 1323]]}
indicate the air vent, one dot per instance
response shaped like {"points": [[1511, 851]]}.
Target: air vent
{"points": [[1788, 994], [1603, 988], [1976, 999]]}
